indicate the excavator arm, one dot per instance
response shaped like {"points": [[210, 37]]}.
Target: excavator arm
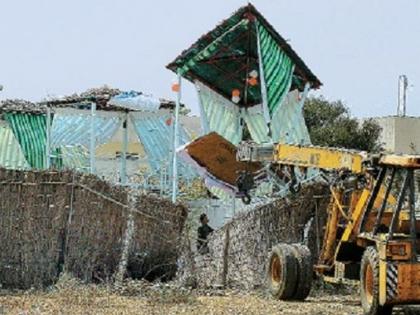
{"points": [[304, 156]]}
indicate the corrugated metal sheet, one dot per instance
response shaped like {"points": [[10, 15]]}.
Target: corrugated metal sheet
{"points": [[30, 131], [11, 155], [74, 130], [278, 68], [222, 116], [155, 133]]}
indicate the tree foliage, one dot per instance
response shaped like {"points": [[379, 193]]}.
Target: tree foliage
{"points": [[330, 124]]}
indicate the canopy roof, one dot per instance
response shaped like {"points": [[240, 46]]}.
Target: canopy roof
{"points": [[223, 58], [106, 99]]}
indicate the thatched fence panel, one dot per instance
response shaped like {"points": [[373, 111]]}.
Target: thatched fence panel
{"points": [[55, 221]]}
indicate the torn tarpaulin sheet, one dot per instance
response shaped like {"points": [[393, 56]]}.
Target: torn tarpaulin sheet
{"points": [[214, 158]]}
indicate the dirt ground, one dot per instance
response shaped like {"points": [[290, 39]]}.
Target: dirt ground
{"points": [[94, 300], [50, 304], [69, 296]]}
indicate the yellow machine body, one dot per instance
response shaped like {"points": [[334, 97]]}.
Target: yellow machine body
{"points": [[358, 220]]}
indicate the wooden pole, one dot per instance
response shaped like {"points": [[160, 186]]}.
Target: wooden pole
{"points": [[123, 175], [92, 147], [48, 140], [176, 142]]}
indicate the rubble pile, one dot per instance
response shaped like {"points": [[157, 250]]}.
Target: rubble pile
{"points": [[62, 221], [239, 250], [18, 105], [102, 91]]}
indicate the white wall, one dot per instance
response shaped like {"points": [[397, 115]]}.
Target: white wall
{"points": [[400, 134]]}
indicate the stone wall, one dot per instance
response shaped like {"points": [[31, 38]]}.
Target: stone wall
{"points": [[239, 250]]}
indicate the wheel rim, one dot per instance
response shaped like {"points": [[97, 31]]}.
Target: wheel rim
{"points": [[369, 283], [276, 269]]}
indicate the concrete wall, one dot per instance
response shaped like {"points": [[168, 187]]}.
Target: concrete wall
{"points": [[400, 134]]}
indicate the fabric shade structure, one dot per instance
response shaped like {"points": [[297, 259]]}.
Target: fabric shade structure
{"points": [[250, 82], [225, 58], [243, 63]]}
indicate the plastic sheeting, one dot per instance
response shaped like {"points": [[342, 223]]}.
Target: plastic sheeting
{"points": [[71, 130], [75, 157], [155, 133], [222, 116], [135, 101], [288, 124], [11, 155], [257, 126]]}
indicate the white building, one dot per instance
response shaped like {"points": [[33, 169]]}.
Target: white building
{"points": [[400, 134]]}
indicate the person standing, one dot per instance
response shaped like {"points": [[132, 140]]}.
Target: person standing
{"points": [[202, 233]]}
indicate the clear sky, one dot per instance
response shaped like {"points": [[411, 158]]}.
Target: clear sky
{"points": [[356, 47]]}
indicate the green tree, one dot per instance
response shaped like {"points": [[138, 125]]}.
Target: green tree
{"points": [[330, 124]]}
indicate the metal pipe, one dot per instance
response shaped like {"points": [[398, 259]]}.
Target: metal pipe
{"points": [[412, 205], [384, 202], [92, 147], [48, 140], [175, 142], [401, 199], [402, 95], [373, 195], [123, 171]]}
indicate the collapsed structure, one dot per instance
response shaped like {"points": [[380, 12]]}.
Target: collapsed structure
{"points": [[250, 82], [371, 233], [251, 86]]}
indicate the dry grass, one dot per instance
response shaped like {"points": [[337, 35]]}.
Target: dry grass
{"points": [[69, 296], [89, 300]]}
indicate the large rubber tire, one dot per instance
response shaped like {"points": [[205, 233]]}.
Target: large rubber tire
{"points": [[304, 271], [282, 272], [369, 284]]}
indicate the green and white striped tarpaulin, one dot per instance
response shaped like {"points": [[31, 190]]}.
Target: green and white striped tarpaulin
{"points": [[277, 69], [30, 131]]}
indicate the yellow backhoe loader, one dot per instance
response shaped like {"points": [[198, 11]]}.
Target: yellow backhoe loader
{"points": [[371, 234]]}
